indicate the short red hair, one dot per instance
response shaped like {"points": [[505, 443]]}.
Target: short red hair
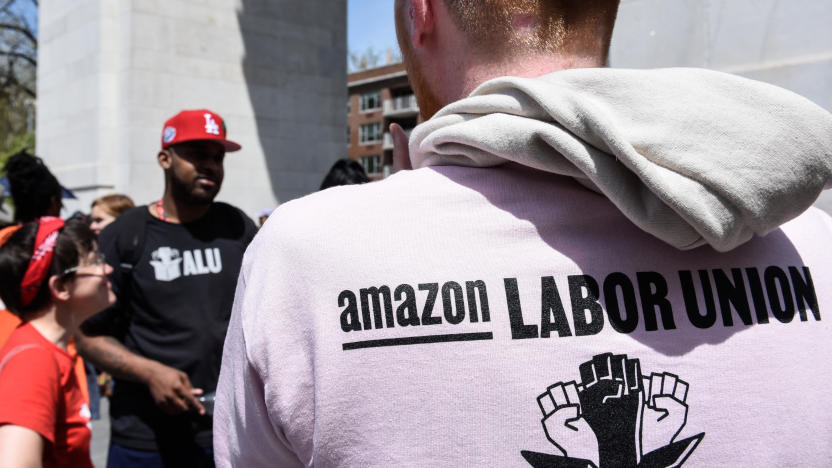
{"points": [[577, 27]]}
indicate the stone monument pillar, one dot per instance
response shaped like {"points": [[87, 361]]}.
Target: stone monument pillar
{"points": [[111, 72]]}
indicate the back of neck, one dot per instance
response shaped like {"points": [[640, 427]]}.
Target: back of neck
{"points": [[530, 65]]}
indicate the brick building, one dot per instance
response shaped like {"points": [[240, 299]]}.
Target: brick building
{"points": [[377, 98]]}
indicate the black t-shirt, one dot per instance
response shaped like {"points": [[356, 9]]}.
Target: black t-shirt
{"points": [[174, 310]]}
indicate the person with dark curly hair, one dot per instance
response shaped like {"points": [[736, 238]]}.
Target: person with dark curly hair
{"points": [[35, 190], [344, 172]]}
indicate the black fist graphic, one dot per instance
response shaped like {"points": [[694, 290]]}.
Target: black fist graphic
{"points": [[611, 401]]}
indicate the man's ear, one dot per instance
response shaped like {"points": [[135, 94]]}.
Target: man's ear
{"points": [[58, 289], [165, 159], [421, 14]]}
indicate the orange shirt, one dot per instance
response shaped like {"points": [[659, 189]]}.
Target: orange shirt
{"points": [[8, 322], [41, 391]]}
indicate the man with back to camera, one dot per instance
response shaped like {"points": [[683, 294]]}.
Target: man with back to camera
{"points": [[586, 267], [176, 263]]}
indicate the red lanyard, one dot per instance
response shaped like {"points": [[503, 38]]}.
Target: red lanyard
{"points": [[160, 211]]}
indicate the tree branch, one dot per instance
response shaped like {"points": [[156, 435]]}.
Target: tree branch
{"points": [[11, 80], [13, 83], [6, 5], [25, 57], [31, 92], [25, 31]]}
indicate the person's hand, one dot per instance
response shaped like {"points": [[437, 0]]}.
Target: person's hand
{"points": [[171, 390], [401, 150]]}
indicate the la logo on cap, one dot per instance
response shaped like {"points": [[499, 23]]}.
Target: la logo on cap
{"points": [[211, 125], [194, 125]]}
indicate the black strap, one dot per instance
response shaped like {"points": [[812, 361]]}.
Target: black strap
{"points": [[130, 241], [127, 235], [129, 245]]}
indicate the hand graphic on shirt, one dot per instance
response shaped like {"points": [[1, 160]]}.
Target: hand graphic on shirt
{"points": [[665, 411], [615, 417], [611, 400], [564, 425]]}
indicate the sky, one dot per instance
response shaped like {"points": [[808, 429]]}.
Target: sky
{"points": [[29, 11], [370, 24]]}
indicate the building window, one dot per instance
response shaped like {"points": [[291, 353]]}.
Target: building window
{"points": [[349, 136], [371, 101], [369, 133], [372, 164]]}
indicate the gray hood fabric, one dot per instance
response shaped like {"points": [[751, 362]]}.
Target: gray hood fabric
{"points": [[691, 156]]}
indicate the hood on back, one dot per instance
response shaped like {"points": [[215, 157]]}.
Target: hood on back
{"points": [[690, 156]]}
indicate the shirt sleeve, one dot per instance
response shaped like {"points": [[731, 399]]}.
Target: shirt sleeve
{"points": [[256, 400], [30, 390]]}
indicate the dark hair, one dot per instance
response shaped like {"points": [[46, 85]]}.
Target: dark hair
{"points": [[33, 186], [345, 172], [75, 241]]}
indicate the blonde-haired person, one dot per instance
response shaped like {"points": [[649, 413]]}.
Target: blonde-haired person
{"points": [[106, 209]]}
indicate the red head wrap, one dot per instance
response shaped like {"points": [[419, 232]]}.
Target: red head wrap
{"points": [[41, 260]]}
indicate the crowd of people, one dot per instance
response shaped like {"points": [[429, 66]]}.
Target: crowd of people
{"points": [[155, 352], [572, 266]]}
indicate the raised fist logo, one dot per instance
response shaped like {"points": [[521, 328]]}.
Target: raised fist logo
{"points": [[615, 417]]}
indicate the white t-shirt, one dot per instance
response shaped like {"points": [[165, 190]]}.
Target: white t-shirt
{"points": [[453, 316]]}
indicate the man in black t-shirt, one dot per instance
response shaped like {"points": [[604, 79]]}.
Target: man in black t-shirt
{"points": [[176, 263]]}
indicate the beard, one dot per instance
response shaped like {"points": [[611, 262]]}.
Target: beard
{"points": [[427, 99], [191, 193]]}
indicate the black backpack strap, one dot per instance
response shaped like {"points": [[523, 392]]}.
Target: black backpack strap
{"points": [[129, 245], [125, 237], [130, 240]]}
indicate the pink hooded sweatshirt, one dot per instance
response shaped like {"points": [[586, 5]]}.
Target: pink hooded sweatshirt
{"points": [[592, 268]]}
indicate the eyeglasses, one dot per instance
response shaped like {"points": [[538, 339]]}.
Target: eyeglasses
{"points": [[99, 260]]}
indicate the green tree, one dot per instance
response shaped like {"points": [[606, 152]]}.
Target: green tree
{"points": [[18, 74], [371, 58]]}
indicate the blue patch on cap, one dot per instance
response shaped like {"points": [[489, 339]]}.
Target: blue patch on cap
{"points": [[169, 134]]}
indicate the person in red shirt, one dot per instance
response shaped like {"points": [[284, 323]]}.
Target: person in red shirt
{"points": [[53, 279]]}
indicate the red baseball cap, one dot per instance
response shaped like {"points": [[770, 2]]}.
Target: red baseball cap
{"points": [[198, 124]]}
